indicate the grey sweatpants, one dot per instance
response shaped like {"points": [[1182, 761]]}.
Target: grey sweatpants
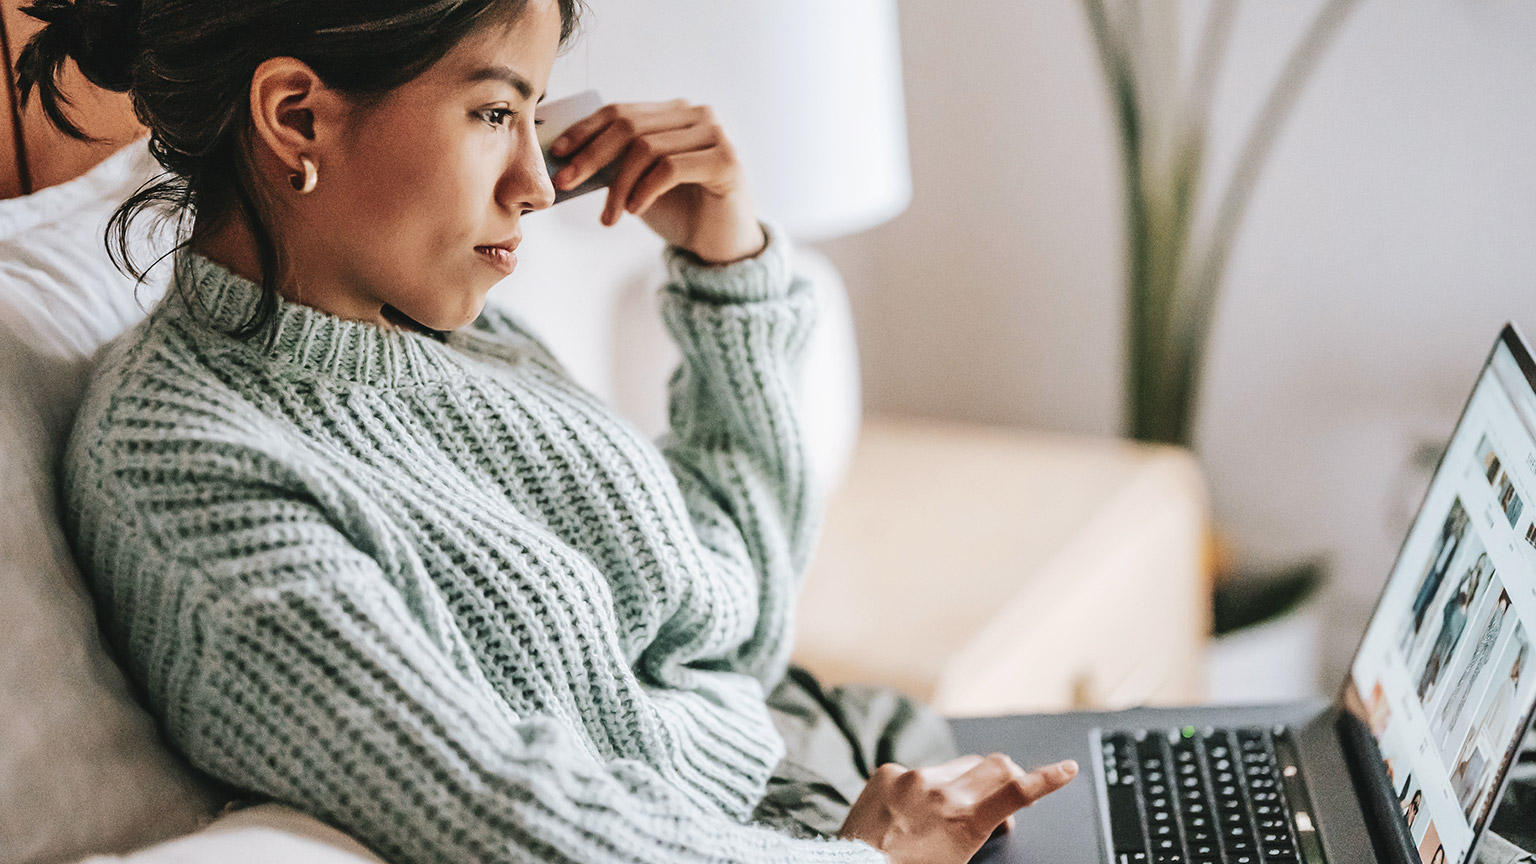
{"points": [[835, 737]]}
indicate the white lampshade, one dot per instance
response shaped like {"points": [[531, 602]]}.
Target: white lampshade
{"points": [[808, 90]]}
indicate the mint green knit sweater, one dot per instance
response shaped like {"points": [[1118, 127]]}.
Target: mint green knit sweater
{"points": [[437, 594]]}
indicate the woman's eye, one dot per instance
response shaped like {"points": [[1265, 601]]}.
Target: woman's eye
{"points": [[495, 116]]}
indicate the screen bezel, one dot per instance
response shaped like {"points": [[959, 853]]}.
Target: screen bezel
{"points": [[1349, 697]]}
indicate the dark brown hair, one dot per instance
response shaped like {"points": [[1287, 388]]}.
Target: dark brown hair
{"points": [[188, 65]]}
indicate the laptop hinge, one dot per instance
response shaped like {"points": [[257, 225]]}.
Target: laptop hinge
{"points": [[1374, 789]]}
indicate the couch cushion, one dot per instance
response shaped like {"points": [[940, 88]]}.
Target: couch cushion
{"points": [[82, 769]]}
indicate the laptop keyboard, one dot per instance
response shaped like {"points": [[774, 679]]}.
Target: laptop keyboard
{"points": [[1209, 796]]}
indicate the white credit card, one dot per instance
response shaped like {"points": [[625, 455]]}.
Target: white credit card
{"points": [[556, 117]]}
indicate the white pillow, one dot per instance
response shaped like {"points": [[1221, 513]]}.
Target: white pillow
{"points": [[82, 768], [265, 834]]}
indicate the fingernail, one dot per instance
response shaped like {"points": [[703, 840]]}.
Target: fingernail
{"points": [[1067, 767]]}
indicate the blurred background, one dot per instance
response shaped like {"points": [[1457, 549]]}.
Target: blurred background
{"points": [[1388, 236]]}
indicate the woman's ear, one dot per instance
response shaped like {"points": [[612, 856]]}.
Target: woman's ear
{"points": [[290, 105]]}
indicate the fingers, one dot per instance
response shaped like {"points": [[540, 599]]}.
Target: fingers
{"points": [[604, 136], [671, 171], [650, 148], [947, 811], [649, 156], [579, 133], [1000, 786], [944, 772], [887, 773]]}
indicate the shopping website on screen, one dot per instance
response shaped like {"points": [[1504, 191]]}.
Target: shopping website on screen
{"points": [[1446, 668]]}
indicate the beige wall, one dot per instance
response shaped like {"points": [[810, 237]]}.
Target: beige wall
{"points": [[1394, 231]]}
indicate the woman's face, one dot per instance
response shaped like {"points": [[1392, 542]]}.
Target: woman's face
{"points": [[418, 185]]}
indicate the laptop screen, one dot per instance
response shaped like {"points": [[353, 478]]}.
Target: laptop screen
{"points": [[1446, 672]]}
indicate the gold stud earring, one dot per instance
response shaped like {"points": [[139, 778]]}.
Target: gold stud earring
{"points": [[305, 183]]}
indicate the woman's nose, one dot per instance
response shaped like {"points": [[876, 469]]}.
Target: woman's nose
{"points": [[527, 180]]}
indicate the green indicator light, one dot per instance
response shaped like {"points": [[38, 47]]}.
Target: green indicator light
{"points": [[1189, 731]]}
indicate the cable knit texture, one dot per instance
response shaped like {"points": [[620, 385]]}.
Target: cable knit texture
{"points": [[435, 593]]}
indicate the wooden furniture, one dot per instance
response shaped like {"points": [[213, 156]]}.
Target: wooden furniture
{"points": [[990, 571]]}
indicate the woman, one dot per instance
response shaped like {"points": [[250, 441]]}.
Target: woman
{"points": [[1454, 620], [1434, 572], [1447, 720], [365, 547], [1411, 812]]}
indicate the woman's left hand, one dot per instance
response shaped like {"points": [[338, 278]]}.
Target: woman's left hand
{"points": [[677, 171]]}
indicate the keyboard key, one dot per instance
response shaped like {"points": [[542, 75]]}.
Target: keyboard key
{"points": [[1125, 821]]}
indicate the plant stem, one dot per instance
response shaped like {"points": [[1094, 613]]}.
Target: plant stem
{"points": [[1171, 283], [1192, 340]]}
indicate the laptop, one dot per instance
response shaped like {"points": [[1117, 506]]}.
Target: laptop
{"points": [[1406, 764]]}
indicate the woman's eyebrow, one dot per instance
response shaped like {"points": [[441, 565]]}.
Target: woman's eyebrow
{"points": [[502, 73]]}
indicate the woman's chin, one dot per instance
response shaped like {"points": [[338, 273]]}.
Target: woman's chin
{"points": [[468, 313], [439, 320]]}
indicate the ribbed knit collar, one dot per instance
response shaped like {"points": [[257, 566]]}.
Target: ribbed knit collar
{"points": [[307, 341]]}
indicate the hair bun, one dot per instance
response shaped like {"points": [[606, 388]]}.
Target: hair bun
{"points": [[101, 36]]}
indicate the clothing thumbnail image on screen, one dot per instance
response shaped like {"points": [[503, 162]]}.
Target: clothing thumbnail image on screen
{"points": [[1489, 458], [1509, 499], [1447, 713], [1431, 850], [1499, 479], [1411, 802], [1454, 608], [1483, 746], [1379, 712], [1417, 815], [1447, 551]]}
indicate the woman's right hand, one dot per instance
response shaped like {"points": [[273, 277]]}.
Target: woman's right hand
{"points": [[943, 814]]}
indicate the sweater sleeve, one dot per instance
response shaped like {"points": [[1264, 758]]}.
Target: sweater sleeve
{"points": [[285, 660], [736, 442]]}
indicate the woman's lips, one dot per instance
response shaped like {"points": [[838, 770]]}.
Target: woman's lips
{"points": [[504, 260]]}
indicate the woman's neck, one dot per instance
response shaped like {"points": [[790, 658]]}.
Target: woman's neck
{"points": [[230, 243]]}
